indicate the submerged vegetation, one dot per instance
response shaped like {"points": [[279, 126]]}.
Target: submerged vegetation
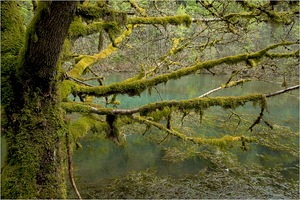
{"points": [[251, 182], [222, 171], [55, 94]]}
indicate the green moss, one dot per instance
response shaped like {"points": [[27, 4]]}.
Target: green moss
{"points": [[83, 125], [283, 55], [223, 142], [82, 62], [66, 52], [251, 62], [87, 123], [235, 83], [78, 29], [172, 20], [86, 108], [94, 12], [34, 149], [12, 29], [204, 103], [157, 114], [66, 88], [81, 65], [138, 8], [137, 87]]}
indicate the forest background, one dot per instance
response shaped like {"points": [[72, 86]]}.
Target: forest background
{"points": [[47, 76]]}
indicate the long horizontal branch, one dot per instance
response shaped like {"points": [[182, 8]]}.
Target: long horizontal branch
{"points": [[191, 104], [137, 87], [172, 20], [200, 102]]}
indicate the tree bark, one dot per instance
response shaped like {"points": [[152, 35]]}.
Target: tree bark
{"points": [[32, 120]]}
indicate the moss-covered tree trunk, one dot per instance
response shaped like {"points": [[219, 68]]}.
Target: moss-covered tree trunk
{"points": [[32, 121]]}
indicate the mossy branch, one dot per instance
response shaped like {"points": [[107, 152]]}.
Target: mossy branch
{"points": [[85, 61], [283, 55], [84, 124], [137, 87], [138, 8], [93, 12], [172, 20], [78, 29], [220, 142], [185, 105], [192, 104]]}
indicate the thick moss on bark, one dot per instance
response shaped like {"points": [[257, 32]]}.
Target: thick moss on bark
{"points": [[13, 41], [78, 29], [32, 121], [34, 166]]}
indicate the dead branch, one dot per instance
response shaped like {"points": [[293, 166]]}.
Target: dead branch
{"points": [[282, 91], [70, 167], [227, 85], [78, 81], [209, 92]]}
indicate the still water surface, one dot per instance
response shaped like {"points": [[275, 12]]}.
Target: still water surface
{"points": [[101, 159]]}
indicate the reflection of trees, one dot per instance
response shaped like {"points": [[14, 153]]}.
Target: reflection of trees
{"points": [[36, 87]]}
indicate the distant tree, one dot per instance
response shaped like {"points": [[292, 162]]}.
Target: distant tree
{"points": [[35, 88]]}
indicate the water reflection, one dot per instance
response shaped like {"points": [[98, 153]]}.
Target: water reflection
{"points": [[100, 158]]}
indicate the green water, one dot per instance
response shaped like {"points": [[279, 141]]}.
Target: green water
{"points": [[100, 159]]}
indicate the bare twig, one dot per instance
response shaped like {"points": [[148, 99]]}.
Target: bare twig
{"points": [[227, 85], [78, 81], [209, 92], [70, 168], [239, 122], [282, 91]]}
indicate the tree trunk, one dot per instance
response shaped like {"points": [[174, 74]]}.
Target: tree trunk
{"points": [[32, 120]]}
